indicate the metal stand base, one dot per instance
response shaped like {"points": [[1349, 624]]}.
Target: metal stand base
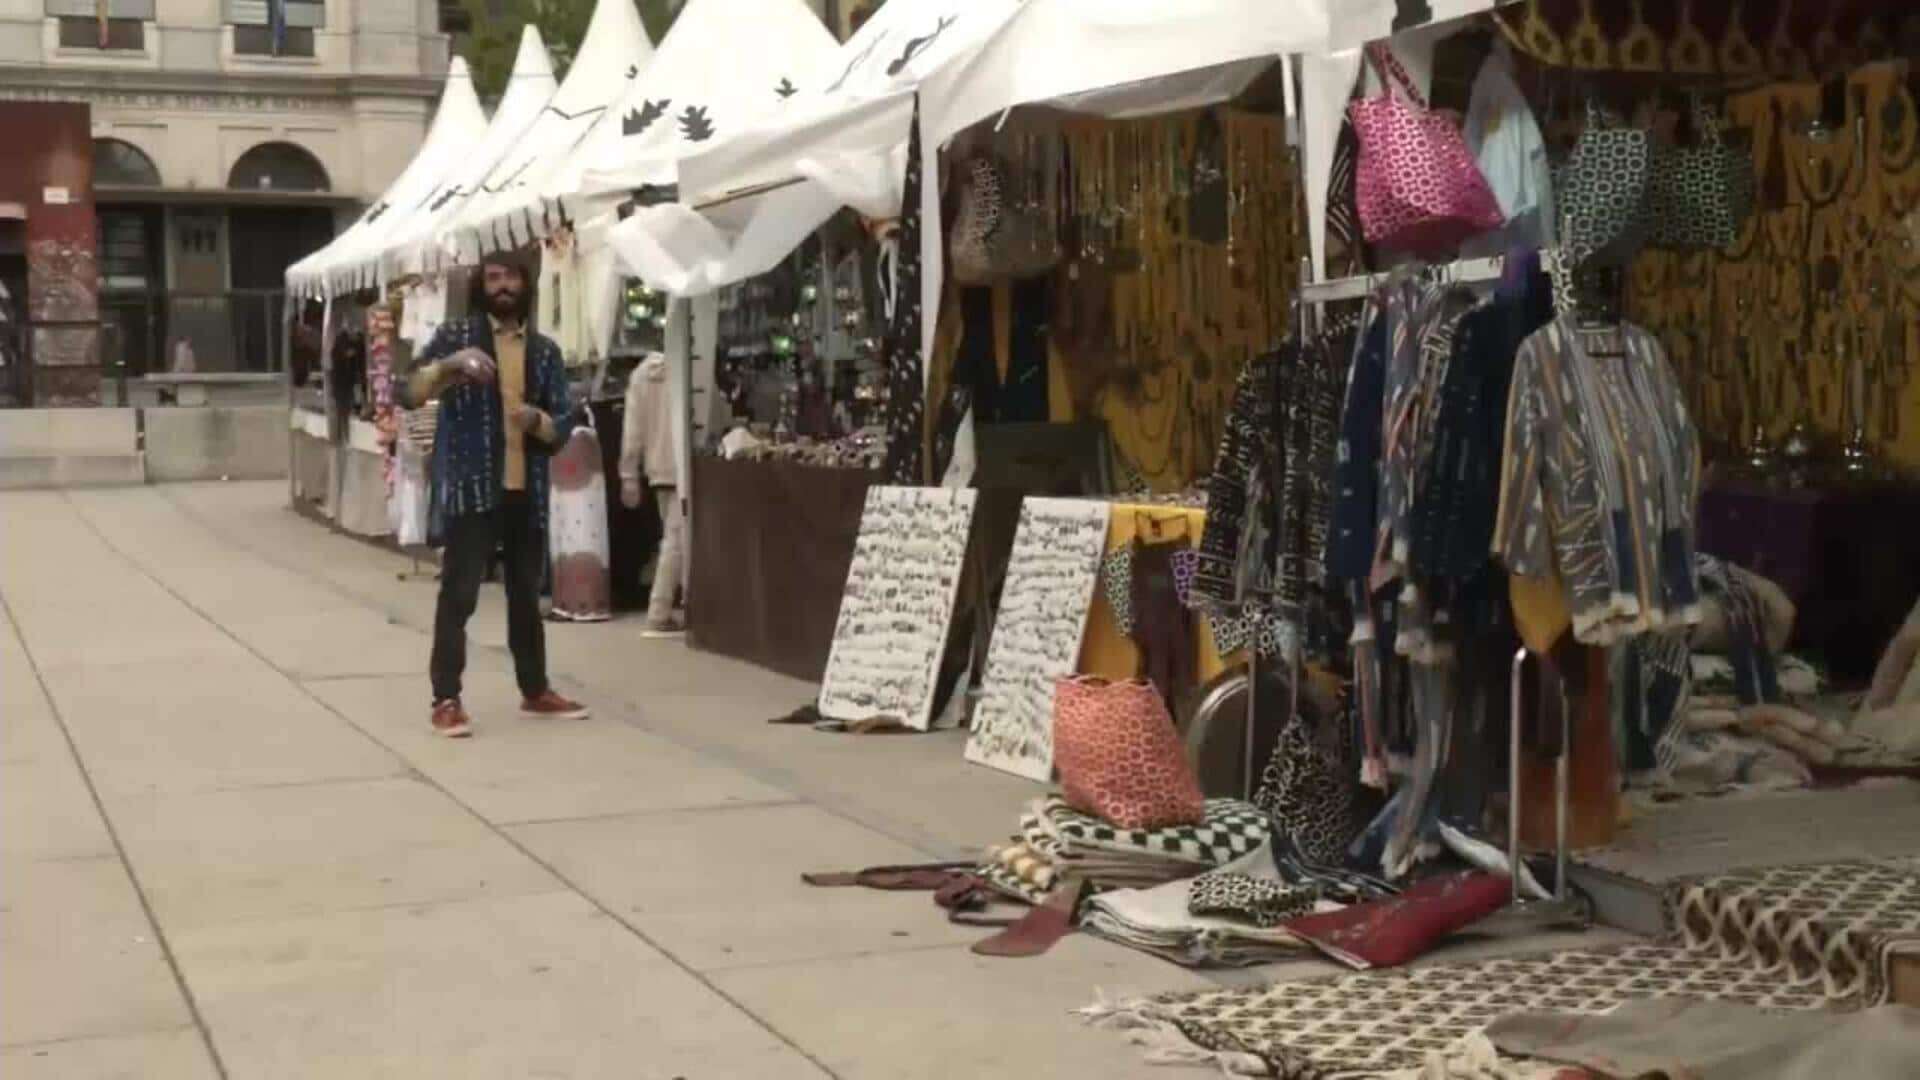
{"points": [[1565, 908]]}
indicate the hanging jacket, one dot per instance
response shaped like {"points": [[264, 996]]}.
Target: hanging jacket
{"points": [[646, 432]]}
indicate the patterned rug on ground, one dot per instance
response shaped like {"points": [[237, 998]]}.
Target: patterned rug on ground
{"points": [[1367, 1024], [1831, 928]]}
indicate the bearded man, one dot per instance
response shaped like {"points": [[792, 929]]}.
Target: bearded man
{"points": [[505, 407]]}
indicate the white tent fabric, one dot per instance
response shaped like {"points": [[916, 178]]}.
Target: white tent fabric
{"points": [[613, 53], [1353, 23], [841, 141], [343, 265], [725, 64], [1128, 57], [413, 247]]}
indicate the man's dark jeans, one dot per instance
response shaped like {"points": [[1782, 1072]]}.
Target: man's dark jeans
{"points": [[471, 541]]}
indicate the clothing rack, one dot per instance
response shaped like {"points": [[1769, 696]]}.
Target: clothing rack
{"points": [[1463, 271], [1563, 908]]}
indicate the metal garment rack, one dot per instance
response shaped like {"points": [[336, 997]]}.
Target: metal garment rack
{"points": [[1564, 907]]}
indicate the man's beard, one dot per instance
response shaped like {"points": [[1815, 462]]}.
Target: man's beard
{"points": [[511, 307]]}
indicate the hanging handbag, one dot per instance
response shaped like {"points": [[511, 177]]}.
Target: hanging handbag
{"points": [[1417, 187], [1603, 192], [1120, 758], [1007, 227], [1701, 192], [1310, 790]]}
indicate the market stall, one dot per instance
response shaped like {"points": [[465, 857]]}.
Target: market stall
{"points": [[359, 418], [1482, 494]]}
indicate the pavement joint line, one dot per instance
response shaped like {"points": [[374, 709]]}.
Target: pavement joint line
{"points": [[113, 834], [96, 1036], [723, 970], [526, 852], [626, 710], [654, 812]]}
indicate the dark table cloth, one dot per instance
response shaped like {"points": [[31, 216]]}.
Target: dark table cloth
{"points": [[770, 548], [1846, 557]]}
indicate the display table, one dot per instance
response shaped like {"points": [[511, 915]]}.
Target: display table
{"points": [[1108, 652], [1847, 559], [310, 470], [771, 545]]}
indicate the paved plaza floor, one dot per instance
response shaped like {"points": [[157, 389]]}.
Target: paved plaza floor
{"points": [[230, 845]]}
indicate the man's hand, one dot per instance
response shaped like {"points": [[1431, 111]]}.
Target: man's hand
{"points": [[527, 418], [472, 365], [630, 493]]}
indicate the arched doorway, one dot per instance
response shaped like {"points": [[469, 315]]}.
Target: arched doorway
{"points": [[278, 166], [118, 163]]}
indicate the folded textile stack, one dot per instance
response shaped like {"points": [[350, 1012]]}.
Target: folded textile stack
{"points": [[1057, 842], [1162, 920]]}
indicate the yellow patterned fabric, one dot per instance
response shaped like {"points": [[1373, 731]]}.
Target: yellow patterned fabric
{"points": [[1189, 289], [1827, 272], [1738, 40]]}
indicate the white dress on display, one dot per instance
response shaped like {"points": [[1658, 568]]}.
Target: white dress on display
{"points": [[577, 531]]}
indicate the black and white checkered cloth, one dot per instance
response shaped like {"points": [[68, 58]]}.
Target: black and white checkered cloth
{"points": [[1229, 830]]}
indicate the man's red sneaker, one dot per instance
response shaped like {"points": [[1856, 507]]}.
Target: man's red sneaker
{"points": [[451, 721], [551, 706]]}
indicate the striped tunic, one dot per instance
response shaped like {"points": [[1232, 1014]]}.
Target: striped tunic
{"points": [[1601, 478]]}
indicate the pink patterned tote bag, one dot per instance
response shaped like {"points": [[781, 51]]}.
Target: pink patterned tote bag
{"points": [[1418, 186]]}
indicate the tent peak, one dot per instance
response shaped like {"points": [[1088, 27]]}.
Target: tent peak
{"points": [[532, 61]]}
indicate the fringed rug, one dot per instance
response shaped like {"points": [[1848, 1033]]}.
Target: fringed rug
{"points": [[1832, 928], [1373, 1023]]}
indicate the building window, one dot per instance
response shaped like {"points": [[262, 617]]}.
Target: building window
{"points": [[275, 27], [118, 25], [122, 164], [277, 167], [258, 41]]}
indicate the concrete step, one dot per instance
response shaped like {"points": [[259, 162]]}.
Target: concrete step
{"points": [[72, 471]]}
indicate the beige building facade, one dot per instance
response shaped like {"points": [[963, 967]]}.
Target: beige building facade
{"points": [[230, 138]]}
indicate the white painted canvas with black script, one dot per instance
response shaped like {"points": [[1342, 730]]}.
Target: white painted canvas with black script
{"points": [[1038, 632], [898, 605]]}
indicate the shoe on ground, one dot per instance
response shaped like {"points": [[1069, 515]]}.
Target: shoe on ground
{"points": [[451, 721], [551, 706], [672, 626]]}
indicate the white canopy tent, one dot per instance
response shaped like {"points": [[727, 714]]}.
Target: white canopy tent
{"points": [[413, 247], [348, 262], [613, 54], [840, 141], [725, 64], [749, 201]]}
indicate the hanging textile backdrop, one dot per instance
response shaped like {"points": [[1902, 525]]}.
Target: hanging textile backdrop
{"points": [[1776, 39], [1826, 272], [1182, 255]]}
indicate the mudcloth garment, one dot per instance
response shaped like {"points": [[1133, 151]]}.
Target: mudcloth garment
{"points": [[1308, 391], [1162, 626], [1460, 485], [1244, 469], [1601, 479], [1829, 928], [469, 444], [1373, 1023], [1309, 786], [973, 382], [512, 528], [1249, 899], [906, 367], [1357, 470]]}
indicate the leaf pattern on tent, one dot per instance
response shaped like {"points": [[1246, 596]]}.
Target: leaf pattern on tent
{"points": [[639, 120]]}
